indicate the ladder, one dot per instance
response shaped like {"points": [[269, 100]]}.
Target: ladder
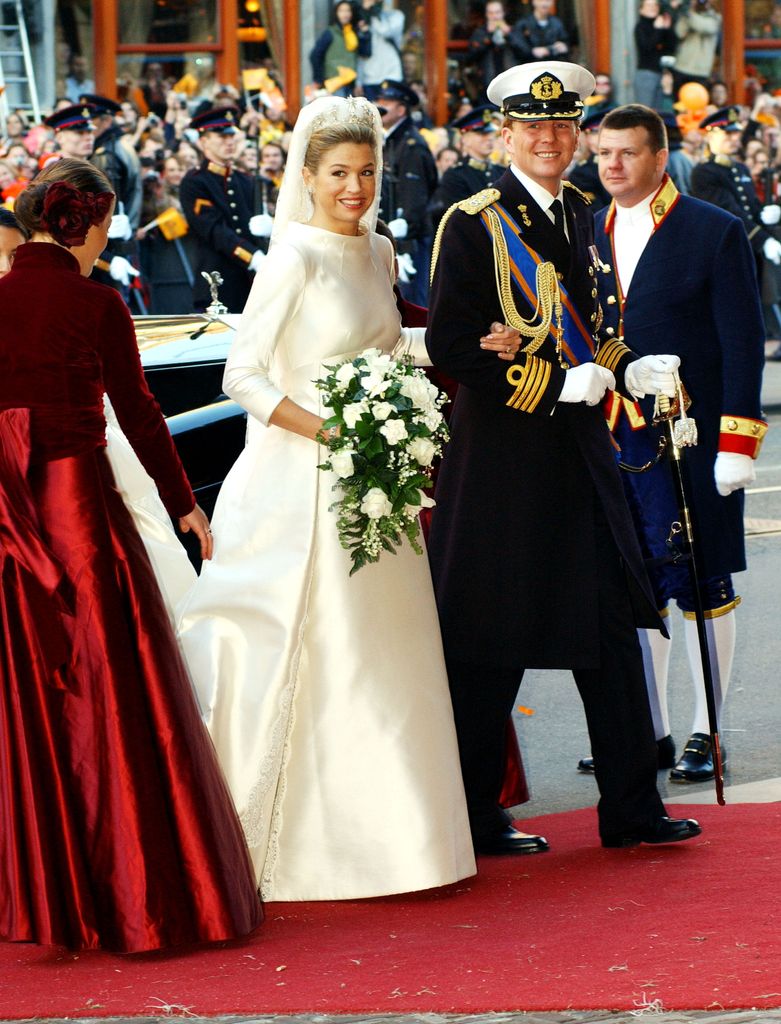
{"points": [[17, 78]]}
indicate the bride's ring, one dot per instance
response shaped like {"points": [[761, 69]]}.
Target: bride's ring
{"points": [[509, 349]]}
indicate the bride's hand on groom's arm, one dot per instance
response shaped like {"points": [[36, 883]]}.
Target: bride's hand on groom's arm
{"points": [[503, 340]]}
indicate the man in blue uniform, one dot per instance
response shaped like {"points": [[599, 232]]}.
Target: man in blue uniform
{"points": [[585, 174], [217, 201], [679, 273], [475, 170], [533, 552]]}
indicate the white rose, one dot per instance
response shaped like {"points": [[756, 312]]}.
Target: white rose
{"points": [[342, 463], [382, 410], [375, 384], [353, 412], [425, 502], [422, 450], [394, 430], [377, 362], [432, 419], [418, 391], [345, 374], [375, 504]]}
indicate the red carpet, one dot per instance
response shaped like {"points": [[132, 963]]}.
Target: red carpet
{"points": [[695, 926]]}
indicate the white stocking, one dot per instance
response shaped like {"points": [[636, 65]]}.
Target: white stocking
{"points": [[721, 648], [656, 664]]}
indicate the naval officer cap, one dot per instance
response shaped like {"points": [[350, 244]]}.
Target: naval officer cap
{"points": [[726, 118], [542, 90]]}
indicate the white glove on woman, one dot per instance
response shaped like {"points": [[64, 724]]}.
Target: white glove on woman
{"points": [[261, 225], [587, 383], [770, 215], [122, 270], [732, 471], [652, 375], [256, 262], [398, 228], [771, 250]]}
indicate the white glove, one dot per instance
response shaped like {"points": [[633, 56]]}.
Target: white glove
{"points": [[732, 471], [407, 269], [652, 375], [587, 383], [771, 250], [398, 228], [261, 224], [770, 215], [256, 262], [122, 270], [119, 227]]}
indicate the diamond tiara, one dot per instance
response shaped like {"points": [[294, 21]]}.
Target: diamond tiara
{"points": [[352, 110]]}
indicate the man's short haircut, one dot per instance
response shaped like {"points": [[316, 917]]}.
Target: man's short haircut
{"points": [[635, 115]]}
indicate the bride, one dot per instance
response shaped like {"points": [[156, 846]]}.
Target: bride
{"points": [[325, 694]]}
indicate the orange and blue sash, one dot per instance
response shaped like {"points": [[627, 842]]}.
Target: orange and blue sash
{"points": [[578, 345]]}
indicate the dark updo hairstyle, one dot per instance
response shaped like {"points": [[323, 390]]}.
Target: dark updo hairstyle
{"points": [[65, 200]]}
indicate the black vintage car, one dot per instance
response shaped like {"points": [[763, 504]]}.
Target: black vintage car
{"points": [[184, 359]]}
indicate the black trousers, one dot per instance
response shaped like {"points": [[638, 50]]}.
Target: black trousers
{"points": [[615, 701]]}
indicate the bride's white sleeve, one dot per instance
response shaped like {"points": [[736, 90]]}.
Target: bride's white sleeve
{"points": [[276, 295], [413, 343]]}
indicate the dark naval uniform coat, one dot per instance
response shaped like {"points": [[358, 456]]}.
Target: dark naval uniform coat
{"points": [[218, 203], [727, 184], [585, 175], [516, 493], [693, 294], [465, 179]]}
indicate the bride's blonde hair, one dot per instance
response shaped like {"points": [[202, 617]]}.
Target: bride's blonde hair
{"points": [[331, 135]]}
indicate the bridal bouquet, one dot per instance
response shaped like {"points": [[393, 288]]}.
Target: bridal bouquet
{"points": [[390, 430]]}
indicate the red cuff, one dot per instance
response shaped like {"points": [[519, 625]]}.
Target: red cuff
{"points": [[741, 435]]}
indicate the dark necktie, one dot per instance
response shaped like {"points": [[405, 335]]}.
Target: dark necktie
{"points": [[558, 215]]}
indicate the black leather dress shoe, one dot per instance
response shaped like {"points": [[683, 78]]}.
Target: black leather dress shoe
{"points": [[665, 756], [663, 830], [696, 762], [510, 840]]}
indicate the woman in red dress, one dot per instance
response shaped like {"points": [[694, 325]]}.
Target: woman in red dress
{"points": [[116, 827]]}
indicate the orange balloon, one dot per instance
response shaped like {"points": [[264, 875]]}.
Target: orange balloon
{"points": [[693, 96]]}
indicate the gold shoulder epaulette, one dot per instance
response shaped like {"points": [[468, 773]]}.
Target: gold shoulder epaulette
{"points": [[479, 201], [576, 190]]}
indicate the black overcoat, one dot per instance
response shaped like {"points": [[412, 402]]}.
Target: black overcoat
{"points": [[512, 541]]}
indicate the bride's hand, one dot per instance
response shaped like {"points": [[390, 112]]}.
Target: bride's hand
{"points": [[503, 340], [198, 522]]}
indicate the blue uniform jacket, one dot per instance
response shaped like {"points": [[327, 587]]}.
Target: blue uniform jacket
{"points": [[693, 294]]}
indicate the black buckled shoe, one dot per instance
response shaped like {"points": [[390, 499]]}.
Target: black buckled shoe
{"points": [[665, 756], [663, 830], [510, 841], [696, 762]]}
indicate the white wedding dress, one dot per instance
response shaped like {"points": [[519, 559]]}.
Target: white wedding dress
{"points": [[325, 694]]}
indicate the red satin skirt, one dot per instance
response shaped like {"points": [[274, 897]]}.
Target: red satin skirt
{"points": [[116, 827]]}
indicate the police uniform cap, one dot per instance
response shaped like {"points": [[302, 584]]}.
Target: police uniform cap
{"points": [[480, 119], [542, 90], [594, 120], [726, 118], [390, 89], [76, 118], [102, 104], [223, 120]]}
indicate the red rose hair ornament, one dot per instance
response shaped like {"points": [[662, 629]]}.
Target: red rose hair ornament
{"points": [[69, 213]]}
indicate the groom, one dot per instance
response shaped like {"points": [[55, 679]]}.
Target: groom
{"points": [[533, 552]]}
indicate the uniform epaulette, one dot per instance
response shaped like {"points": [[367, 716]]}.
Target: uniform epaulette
{"points": [[479, 201], [474, 204], [577, 191]]}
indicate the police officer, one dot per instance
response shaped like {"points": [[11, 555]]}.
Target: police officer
{"points": [[474, 171], [409, 179], [534, 556], [585, 174], [725, 182], [217, 201], [121, 166]]}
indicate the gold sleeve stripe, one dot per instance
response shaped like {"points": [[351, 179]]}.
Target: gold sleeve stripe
{"points": [[530, 381], [610, 354], [201, 204], [243, 254]]}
